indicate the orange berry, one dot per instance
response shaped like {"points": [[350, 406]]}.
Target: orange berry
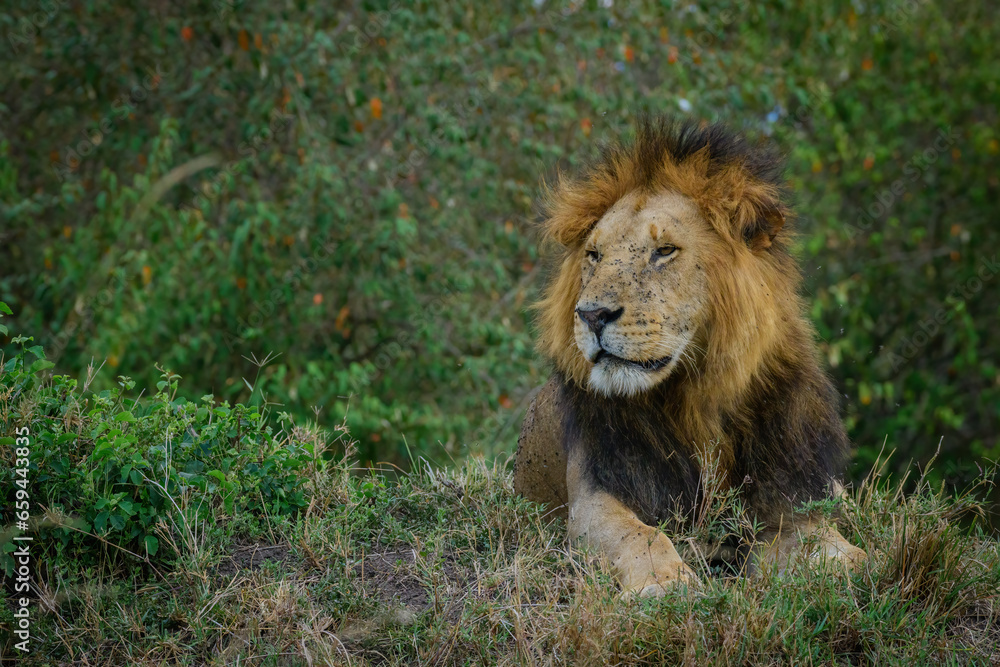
{"points": [[342, 318]]}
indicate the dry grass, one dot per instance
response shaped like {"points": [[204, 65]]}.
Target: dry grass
{"points": [[449, 567]]}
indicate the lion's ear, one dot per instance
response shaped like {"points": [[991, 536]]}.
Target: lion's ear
{"points": [[767, 223]]}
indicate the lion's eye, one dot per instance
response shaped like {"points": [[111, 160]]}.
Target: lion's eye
{"points": [[664, 251], [593, 256]]}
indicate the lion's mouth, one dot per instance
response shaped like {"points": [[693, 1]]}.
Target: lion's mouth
{"points": [[650, 366]]}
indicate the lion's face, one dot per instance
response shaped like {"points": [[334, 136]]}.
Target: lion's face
{"points": [[644, 294]]}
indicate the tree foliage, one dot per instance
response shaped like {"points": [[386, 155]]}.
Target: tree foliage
{"points": [[351, 187]]}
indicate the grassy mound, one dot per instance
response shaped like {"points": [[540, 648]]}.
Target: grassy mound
{"points": [[176, 532]]}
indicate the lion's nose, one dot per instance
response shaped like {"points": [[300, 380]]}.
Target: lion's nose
{"points": [[599, 318]]}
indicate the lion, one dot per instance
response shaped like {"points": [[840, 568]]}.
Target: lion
{"points": [[677, 335]]}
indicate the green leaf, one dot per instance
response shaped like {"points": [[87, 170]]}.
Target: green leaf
{"points": [[118, 521], [124, 417], [102, 450], [152, 545], [5, 309], [101, 522], [41, 365]]}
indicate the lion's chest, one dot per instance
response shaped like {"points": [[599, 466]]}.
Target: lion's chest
{"points": [[635, 459]]}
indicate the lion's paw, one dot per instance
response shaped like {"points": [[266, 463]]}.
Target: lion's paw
{"points": [[654, 586], [850, 556]]}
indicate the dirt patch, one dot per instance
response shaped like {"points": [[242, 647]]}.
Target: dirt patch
{"points": [[391, 577], [394, 578], [251, 556]]}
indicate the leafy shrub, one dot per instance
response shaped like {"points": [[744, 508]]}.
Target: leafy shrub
{"points": [[125, 470]]}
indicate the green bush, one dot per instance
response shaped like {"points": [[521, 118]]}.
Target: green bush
{"points": [[351, 188], [126, 471]]}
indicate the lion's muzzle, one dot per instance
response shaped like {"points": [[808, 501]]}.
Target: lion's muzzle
{"points": [[598, 318]]}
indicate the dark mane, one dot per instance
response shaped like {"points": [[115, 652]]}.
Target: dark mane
{"points": [[788, 444], [738, 183], [657, 136]]}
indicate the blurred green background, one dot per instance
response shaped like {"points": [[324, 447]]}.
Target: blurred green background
{"points": [[331, 206]]}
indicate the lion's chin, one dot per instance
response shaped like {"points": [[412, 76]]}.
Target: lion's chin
{"points": [[612, 376]]}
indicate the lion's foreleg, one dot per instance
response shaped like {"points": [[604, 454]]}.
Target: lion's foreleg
{"points": [[644, 559], [804, 541]]}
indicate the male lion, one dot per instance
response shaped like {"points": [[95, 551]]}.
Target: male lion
{"points": [[677, 333]]}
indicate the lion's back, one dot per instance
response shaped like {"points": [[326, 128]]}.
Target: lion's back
{"points": [[540, 462]]}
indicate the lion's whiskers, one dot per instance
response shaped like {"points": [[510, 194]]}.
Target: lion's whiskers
{"points": [[684, 350]]}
